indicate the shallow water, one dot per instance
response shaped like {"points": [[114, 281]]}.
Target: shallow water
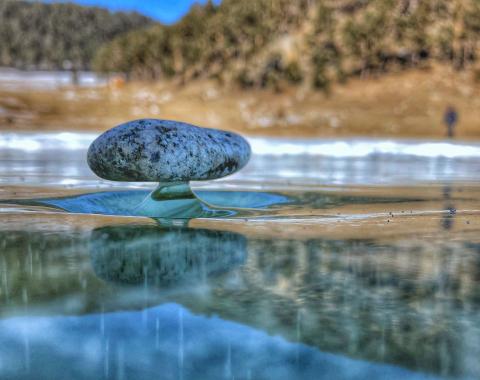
{"points": [[355, 259], [13, 79]]}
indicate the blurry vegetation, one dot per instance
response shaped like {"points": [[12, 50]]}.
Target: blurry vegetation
{"points": [[55, 36], [267, 44], [255, 43], [210, 41]]}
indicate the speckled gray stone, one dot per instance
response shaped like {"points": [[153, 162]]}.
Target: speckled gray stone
{"points": [[151, 150]]}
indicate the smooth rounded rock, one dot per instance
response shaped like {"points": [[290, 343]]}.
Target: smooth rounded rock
{"points": [[151, 150]]}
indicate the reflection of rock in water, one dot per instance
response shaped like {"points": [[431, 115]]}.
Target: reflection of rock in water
{"points": [[139, 254], [413, 302]]}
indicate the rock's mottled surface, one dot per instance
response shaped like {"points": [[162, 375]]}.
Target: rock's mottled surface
{"points": [[152, 150]]}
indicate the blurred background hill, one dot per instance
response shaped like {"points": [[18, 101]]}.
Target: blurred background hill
{"points": [[362, 67], [265, 43], [35, 35]]}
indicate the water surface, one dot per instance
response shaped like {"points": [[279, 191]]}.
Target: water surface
{"points": [[358, 259]]}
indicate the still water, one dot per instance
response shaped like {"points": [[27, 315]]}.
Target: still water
{"points": [[356, 259]]}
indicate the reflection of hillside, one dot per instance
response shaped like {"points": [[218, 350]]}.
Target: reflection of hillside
{"points": [[211, 348], [408, 305], [42, 266], [411, 303]]}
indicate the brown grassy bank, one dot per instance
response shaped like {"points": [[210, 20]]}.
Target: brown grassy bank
{"points": [[404, 104]]}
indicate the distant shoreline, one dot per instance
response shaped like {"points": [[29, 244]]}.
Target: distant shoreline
{"points": [[47, 79], [407, 104]]}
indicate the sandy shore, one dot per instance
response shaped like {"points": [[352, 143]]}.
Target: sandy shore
{"points": [[404, 104]]}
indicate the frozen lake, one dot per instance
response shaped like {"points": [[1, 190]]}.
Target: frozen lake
{"points": [[357, 259], [12, 79]]}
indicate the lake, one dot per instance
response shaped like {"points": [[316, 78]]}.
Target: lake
{"points": [[341, 259], [20, 80]]}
